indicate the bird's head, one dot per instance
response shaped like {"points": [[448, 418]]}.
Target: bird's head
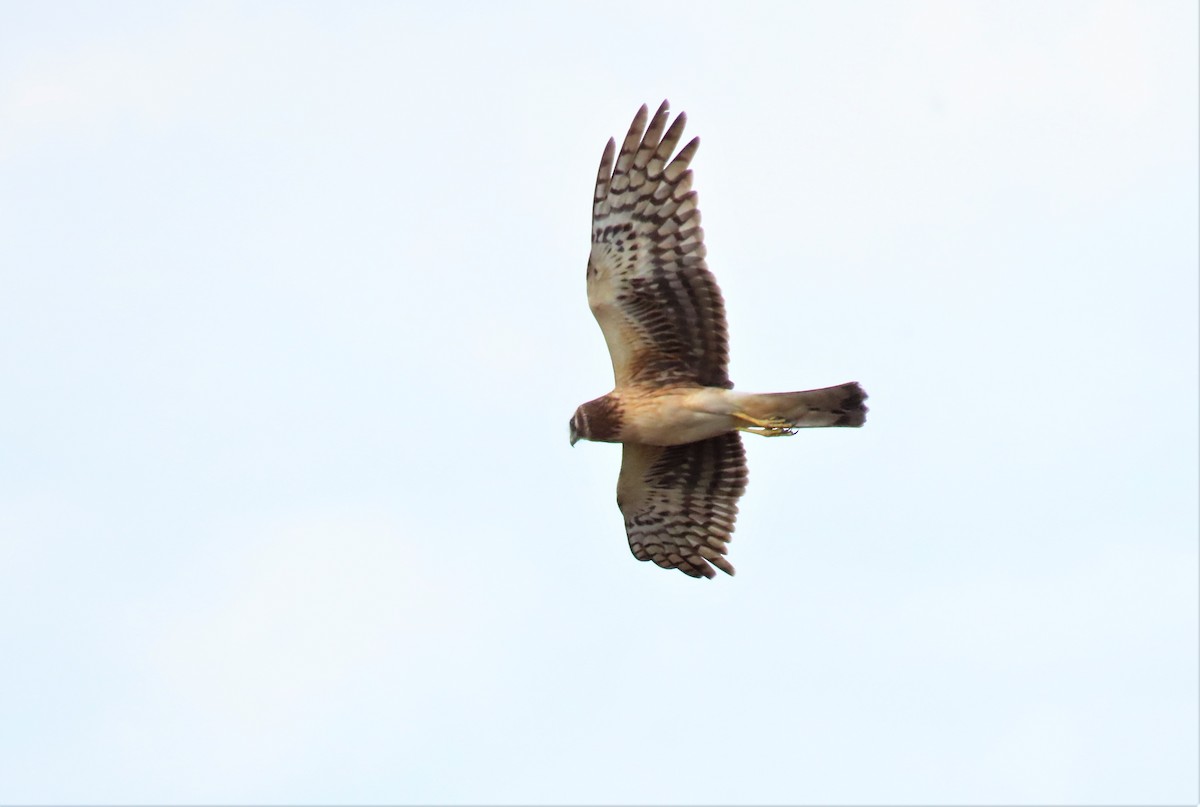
{"points": [[598, 420]]}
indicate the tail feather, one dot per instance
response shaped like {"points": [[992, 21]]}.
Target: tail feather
{"points": [[832, 406]]}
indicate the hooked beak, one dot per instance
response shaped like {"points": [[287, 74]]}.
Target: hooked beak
{"points": [[574, 435]]}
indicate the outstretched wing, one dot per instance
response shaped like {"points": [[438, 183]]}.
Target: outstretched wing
{"points": [[658, 305], [680, 502]]}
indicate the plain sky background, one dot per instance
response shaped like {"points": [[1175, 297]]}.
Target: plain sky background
{"points": [[292, 321]]}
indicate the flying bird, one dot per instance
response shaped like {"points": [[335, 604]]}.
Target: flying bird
{"points": [[673, 408]]}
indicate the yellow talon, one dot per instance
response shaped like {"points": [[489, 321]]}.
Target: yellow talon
{"points": [[766, 432], [771, 427]]}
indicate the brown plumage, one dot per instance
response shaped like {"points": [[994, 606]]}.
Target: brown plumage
{"points": [[673, 405]]}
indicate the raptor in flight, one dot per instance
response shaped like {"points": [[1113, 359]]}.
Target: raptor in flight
{"points": [[673, 407]]}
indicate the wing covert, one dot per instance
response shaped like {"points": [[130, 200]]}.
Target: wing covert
{"points": [[659, 307]]}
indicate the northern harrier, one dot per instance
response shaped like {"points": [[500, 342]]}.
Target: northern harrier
{"points": [[673, 408]]}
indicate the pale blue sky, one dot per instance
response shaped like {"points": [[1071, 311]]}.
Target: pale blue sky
{"points": [[292, 320]]}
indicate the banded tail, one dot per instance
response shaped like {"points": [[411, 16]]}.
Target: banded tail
{"points": [[832, 406]]}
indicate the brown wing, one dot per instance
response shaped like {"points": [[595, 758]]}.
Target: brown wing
{"points": [[657, 304], [680, 502]]}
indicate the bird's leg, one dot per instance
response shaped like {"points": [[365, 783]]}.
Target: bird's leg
{"points": [[770, 427]]}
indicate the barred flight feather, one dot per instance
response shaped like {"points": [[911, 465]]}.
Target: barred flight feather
{"points": [[659, 307], [680, 502]]}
